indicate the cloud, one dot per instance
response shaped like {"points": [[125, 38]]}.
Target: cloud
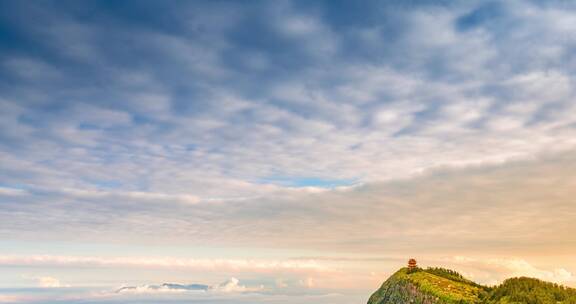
{"points": [[485, 207], [327, 116], [254, 265], [49, 282], [164, 288], [11, 191], [31, 69], [130, 195], [452, 127], [495, 270], [230, 286], [43, 281]]}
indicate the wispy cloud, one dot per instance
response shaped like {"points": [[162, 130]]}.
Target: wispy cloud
{"points": [[254, 265], [468, 209]]}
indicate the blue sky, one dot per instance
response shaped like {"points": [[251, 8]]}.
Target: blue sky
{"points": [[284, 143]]}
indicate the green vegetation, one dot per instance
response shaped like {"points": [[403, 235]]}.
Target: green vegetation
{"points": [[452, 275], [447, 290], [399, 289], [445, 286], [531, 291], [421, 286]]}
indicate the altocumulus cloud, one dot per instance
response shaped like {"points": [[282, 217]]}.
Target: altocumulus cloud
{"points": [[400, 127], [200, 106]]}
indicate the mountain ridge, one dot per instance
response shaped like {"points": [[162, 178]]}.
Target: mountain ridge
{"points": [[445, 286]]}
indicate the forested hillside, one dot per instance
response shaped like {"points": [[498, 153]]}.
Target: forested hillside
{"points": [[445, 286]]}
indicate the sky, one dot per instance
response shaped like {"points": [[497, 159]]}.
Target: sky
{"points": [[281, 151]]}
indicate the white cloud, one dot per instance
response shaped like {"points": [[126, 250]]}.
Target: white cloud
{"points": [[12, 191], [49, 282], [481, 203], [495, 270], [31, 69], [153, 289], [132, 195], [238, 135], [231, 285], [416, 98], [255, 265]]}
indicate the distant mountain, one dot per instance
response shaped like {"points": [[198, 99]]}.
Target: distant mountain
{"points": [[185, 286], [444, 286], [163, 287], [229, 286]]}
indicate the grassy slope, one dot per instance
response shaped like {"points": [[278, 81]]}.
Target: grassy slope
{"points": [[447, 290], [424, 287], [436, 286]]}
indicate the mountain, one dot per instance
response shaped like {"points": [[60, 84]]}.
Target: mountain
{"points": [[229, 286], [444, 286], [166, 287]]}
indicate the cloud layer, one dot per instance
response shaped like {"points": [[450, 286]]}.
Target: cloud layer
{"points": [[505, 208], [254, 265], [202, 107], [229, 286], [330, 129]]}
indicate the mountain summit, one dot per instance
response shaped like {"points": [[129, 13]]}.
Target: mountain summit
{"points": [[444, 286]]}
